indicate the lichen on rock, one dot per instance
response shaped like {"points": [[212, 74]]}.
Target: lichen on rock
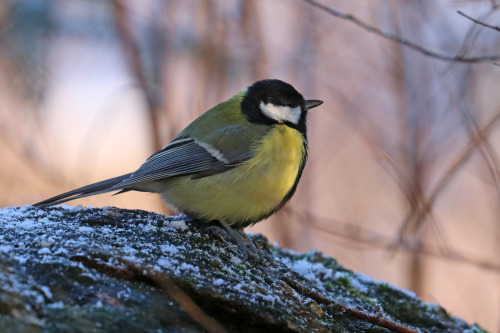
{"points": [[117, 270]]}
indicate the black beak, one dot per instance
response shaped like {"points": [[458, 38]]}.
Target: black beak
{"points": [[312, 103]]}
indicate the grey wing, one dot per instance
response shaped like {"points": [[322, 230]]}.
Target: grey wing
{"points": [[182, 156]]}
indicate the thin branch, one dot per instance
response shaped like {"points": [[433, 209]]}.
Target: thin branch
{"points": [[6, 17], [135, 62], [168, 285], [357, 235], [476, 140], [478, 137], [177, 294], [497, 28], [35, 165], [398, 39], [469, 39], [487, 151], [377, 319]]}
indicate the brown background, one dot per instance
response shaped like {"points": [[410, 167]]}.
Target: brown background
{"points": [[402, 182]]}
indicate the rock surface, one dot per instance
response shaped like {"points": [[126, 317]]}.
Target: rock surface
{"points": [[116, 270]]}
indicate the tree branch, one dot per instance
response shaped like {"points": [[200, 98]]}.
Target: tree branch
{"points": [[355, 234], [134, 58], [479, 22], [337, 306], [398, 39], [170, 287]]}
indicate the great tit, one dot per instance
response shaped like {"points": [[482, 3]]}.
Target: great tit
{"points": [[238, 163]]}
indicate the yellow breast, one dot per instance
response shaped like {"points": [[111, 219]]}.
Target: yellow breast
{"points": [[249, 192]]}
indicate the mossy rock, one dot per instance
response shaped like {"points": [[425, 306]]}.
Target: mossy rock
{"points": [[116, 270]]}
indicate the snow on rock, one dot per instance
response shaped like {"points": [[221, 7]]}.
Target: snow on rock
{"points": [[111, 269]]}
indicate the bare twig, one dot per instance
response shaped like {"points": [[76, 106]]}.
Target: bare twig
{"points": [[250, 23], [487, 151], [34, 164], [178, 295], [379, 320], [5, 18], [356, 236], [476, 139], [134, 271], [469, 39], [398, 39], [135, 61], [497, 28]]}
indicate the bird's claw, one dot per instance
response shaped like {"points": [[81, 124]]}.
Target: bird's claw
{"points": [[247, 248]]}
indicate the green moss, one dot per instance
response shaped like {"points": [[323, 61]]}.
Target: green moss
{"points": [[192, 279], [101, 295], [216, 263], [368, 300], [240, 267], [377, 329], [384, 287], [476, 329], [406, 309], [344, 281], [355, 292], [328, 286], [329, 262]]}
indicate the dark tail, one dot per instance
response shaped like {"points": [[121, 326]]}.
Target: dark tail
{"points": [[92, 189]]}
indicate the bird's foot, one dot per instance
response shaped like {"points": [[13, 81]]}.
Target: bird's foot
{"points": [[264, 256], [247, 248]]}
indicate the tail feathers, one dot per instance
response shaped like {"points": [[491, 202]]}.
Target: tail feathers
{"points": [[92, 189]]}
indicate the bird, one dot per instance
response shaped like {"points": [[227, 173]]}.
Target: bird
{"points": [[238, 163]]}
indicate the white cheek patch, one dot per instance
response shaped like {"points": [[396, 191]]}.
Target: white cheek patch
{"points": [[281, 113]]}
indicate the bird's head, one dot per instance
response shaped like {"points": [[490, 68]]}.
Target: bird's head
{"points": [[276, 102]]}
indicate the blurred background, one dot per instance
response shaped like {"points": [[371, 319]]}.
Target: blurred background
{"points": [[403, 180]]}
